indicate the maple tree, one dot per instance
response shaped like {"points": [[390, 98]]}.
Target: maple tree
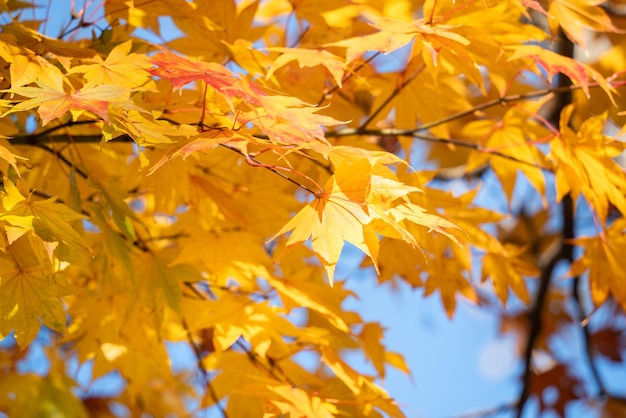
{"points": [[200, 191]]}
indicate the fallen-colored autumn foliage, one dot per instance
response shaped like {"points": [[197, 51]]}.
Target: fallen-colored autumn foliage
{"points": [[198, 190]]}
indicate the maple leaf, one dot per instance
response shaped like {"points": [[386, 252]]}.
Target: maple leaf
{"points": [[355, 206], [392, 262], [334, 217], [26, 66], [576, 16], [584, 164], [181, 71], [609, 342], [601, 258], [226, 256], [553, 63], [515, 135], [559, 377], [393, 34], [53, 101], [119, 68], [50, 220], [506, 269], [30, 292], [308, 58], [447, 273]]}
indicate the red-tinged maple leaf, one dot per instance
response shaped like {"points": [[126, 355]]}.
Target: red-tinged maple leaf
{"points": [[553, 63], [54, 100], [610, 343], [181, 71], [276, 109], [559, 378], [533, 4]]}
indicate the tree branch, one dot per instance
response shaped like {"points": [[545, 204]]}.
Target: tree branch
{"points": [[565, 252], [564, 90], [586, 337]]}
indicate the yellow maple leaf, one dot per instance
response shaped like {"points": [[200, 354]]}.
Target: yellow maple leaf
{"points": [[51, 221], [119, 68], [301, 404], [506, 269], [308, 58], [447, 273], [575, 17], [393, 34], [29, 291], [356, 206], [334, 217], [584, 164], [603, 257]]}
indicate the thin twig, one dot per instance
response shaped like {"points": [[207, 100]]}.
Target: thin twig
{"points": [[328, 93], [429, 138], [274, 170], [206, 380], [60, 156], [503, 101], [394, 94]]}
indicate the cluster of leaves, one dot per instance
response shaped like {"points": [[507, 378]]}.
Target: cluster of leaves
{"points": [[200, 191]]}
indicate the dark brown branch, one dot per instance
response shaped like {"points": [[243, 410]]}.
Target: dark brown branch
{"points": [[66, 161], [586, 337], [565, 252], [35, 138]]}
